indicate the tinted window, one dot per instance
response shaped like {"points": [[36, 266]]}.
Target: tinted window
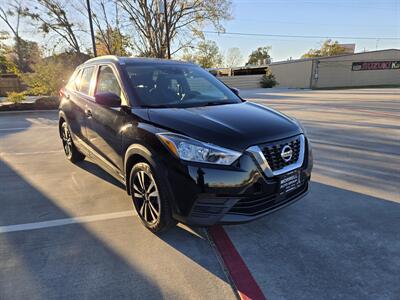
{"points": [[177, 86], [84, 82], [71, 85], [107, 82]]}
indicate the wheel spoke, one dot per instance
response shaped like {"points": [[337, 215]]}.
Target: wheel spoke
{"points": [[151, 186], [135, 188], [153, 209], [154, 194], [141, 211], [141, 180], [138, 195], [145, 211], [153, 216]]}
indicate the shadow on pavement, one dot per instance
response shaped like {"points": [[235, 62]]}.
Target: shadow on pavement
{"points": [[334, 244], [116, 259]]}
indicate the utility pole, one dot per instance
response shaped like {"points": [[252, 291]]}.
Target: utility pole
{"points": [[91, 28], [167, 29]]}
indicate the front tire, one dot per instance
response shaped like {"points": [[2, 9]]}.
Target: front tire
{"points": [[70, 150], [150, 198]]}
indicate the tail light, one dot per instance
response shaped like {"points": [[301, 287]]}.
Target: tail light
{"points": [[61, 93]]}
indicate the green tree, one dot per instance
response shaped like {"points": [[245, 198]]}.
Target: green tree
{"points": [[52, 73], [328, 48], [259, 55], [112, 42], [206, 54], [11, 15], [268, 80], [6, 65]]}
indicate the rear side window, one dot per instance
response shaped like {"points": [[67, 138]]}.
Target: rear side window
{"points": [[72, 82], [107, 82], [84, 82]]}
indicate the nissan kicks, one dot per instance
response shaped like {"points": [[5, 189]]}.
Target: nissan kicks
{"points": [[187, 147]]}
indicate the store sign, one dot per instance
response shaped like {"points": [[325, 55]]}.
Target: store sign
{"points": [[375, 65]]}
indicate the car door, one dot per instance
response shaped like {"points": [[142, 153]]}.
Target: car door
{"points": [[104, 123], [76, 106]]}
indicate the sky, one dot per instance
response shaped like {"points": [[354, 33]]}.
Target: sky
{"points": [[324, 18], [376, 19]]}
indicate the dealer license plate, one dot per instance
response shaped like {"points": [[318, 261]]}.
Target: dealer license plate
{"points": [[289, 182]]}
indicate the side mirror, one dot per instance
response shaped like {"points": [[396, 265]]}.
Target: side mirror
{"points": [[235, 90], [108, 99]]}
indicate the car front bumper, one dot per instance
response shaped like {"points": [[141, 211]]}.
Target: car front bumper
{"points": [[206, 195]]}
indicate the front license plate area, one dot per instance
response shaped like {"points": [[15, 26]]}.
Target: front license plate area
{"points": [[289, 182]]}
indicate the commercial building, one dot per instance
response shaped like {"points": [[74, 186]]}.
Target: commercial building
{"points": [[366, 69]]}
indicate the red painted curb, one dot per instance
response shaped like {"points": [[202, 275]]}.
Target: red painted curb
{"points": [[245, 283]]}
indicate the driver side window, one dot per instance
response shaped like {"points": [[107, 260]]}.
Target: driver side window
{"points": [[107, 82]]}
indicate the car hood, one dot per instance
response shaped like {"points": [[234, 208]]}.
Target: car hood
{"points": [[234, 126]]}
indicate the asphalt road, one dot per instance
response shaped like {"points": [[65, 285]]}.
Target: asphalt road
{"points": [[341, 242]]}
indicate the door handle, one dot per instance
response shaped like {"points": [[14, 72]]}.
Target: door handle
{"points": [[88, 113]]}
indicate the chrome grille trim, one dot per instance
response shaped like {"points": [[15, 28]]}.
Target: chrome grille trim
{"points": [[263, 163]]}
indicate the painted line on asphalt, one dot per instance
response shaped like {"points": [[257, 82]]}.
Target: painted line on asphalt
{"points": [[244, 282], [25, 128], [30, 153], [66, 221], [28, 111]]}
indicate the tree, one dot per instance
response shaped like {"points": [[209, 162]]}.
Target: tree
{"points": [[328, 48], [109, 38], [112, 42], [52, 73], [268, 80], [207, 55], [233, 57], [30, 54], [15, 11], [259, 55], [53, 17], [185, 18], [6, 65]]}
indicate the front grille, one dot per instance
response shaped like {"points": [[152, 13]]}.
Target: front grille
{"points": [[253, 206], [272, 153]]}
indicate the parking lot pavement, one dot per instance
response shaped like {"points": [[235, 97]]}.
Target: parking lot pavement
{"points": [[343, 240], [105, 252], [340, 242]]}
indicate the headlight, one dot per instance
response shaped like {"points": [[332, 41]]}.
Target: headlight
{"points": [[189, 149], [300, 125]]}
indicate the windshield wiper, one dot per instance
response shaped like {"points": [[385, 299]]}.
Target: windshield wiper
{"points": [[156, 106], [211, 103]]}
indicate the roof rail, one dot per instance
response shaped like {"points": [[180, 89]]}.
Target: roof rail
{"points": [[110, 57]]}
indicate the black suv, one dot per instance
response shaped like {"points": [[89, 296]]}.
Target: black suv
{"points": [[186, 146]]}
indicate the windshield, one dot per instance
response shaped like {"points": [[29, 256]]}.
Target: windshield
{"points": [[167, 85]]}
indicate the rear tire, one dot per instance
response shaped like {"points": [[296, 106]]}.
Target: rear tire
{"points": [[151, 198], [70, 150]]}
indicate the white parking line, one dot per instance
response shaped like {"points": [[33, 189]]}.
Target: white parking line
{"points": [[30, 153], [66, 221], [25, 128]]}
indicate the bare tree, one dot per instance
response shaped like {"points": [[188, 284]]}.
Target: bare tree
{"points": [[53, 17], [186, 18], [233, 58], [109, 37]]}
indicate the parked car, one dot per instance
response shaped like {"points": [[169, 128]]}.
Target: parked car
{"points": [[187, 147]]}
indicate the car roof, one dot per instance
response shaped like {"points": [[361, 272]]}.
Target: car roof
{"points": [[123, 60]]}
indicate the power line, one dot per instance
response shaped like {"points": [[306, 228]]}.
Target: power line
{"points": [[302, 36]]}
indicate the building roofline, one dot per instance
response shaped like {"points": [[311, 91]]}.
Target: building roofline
{"points": [[330, 57]]}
